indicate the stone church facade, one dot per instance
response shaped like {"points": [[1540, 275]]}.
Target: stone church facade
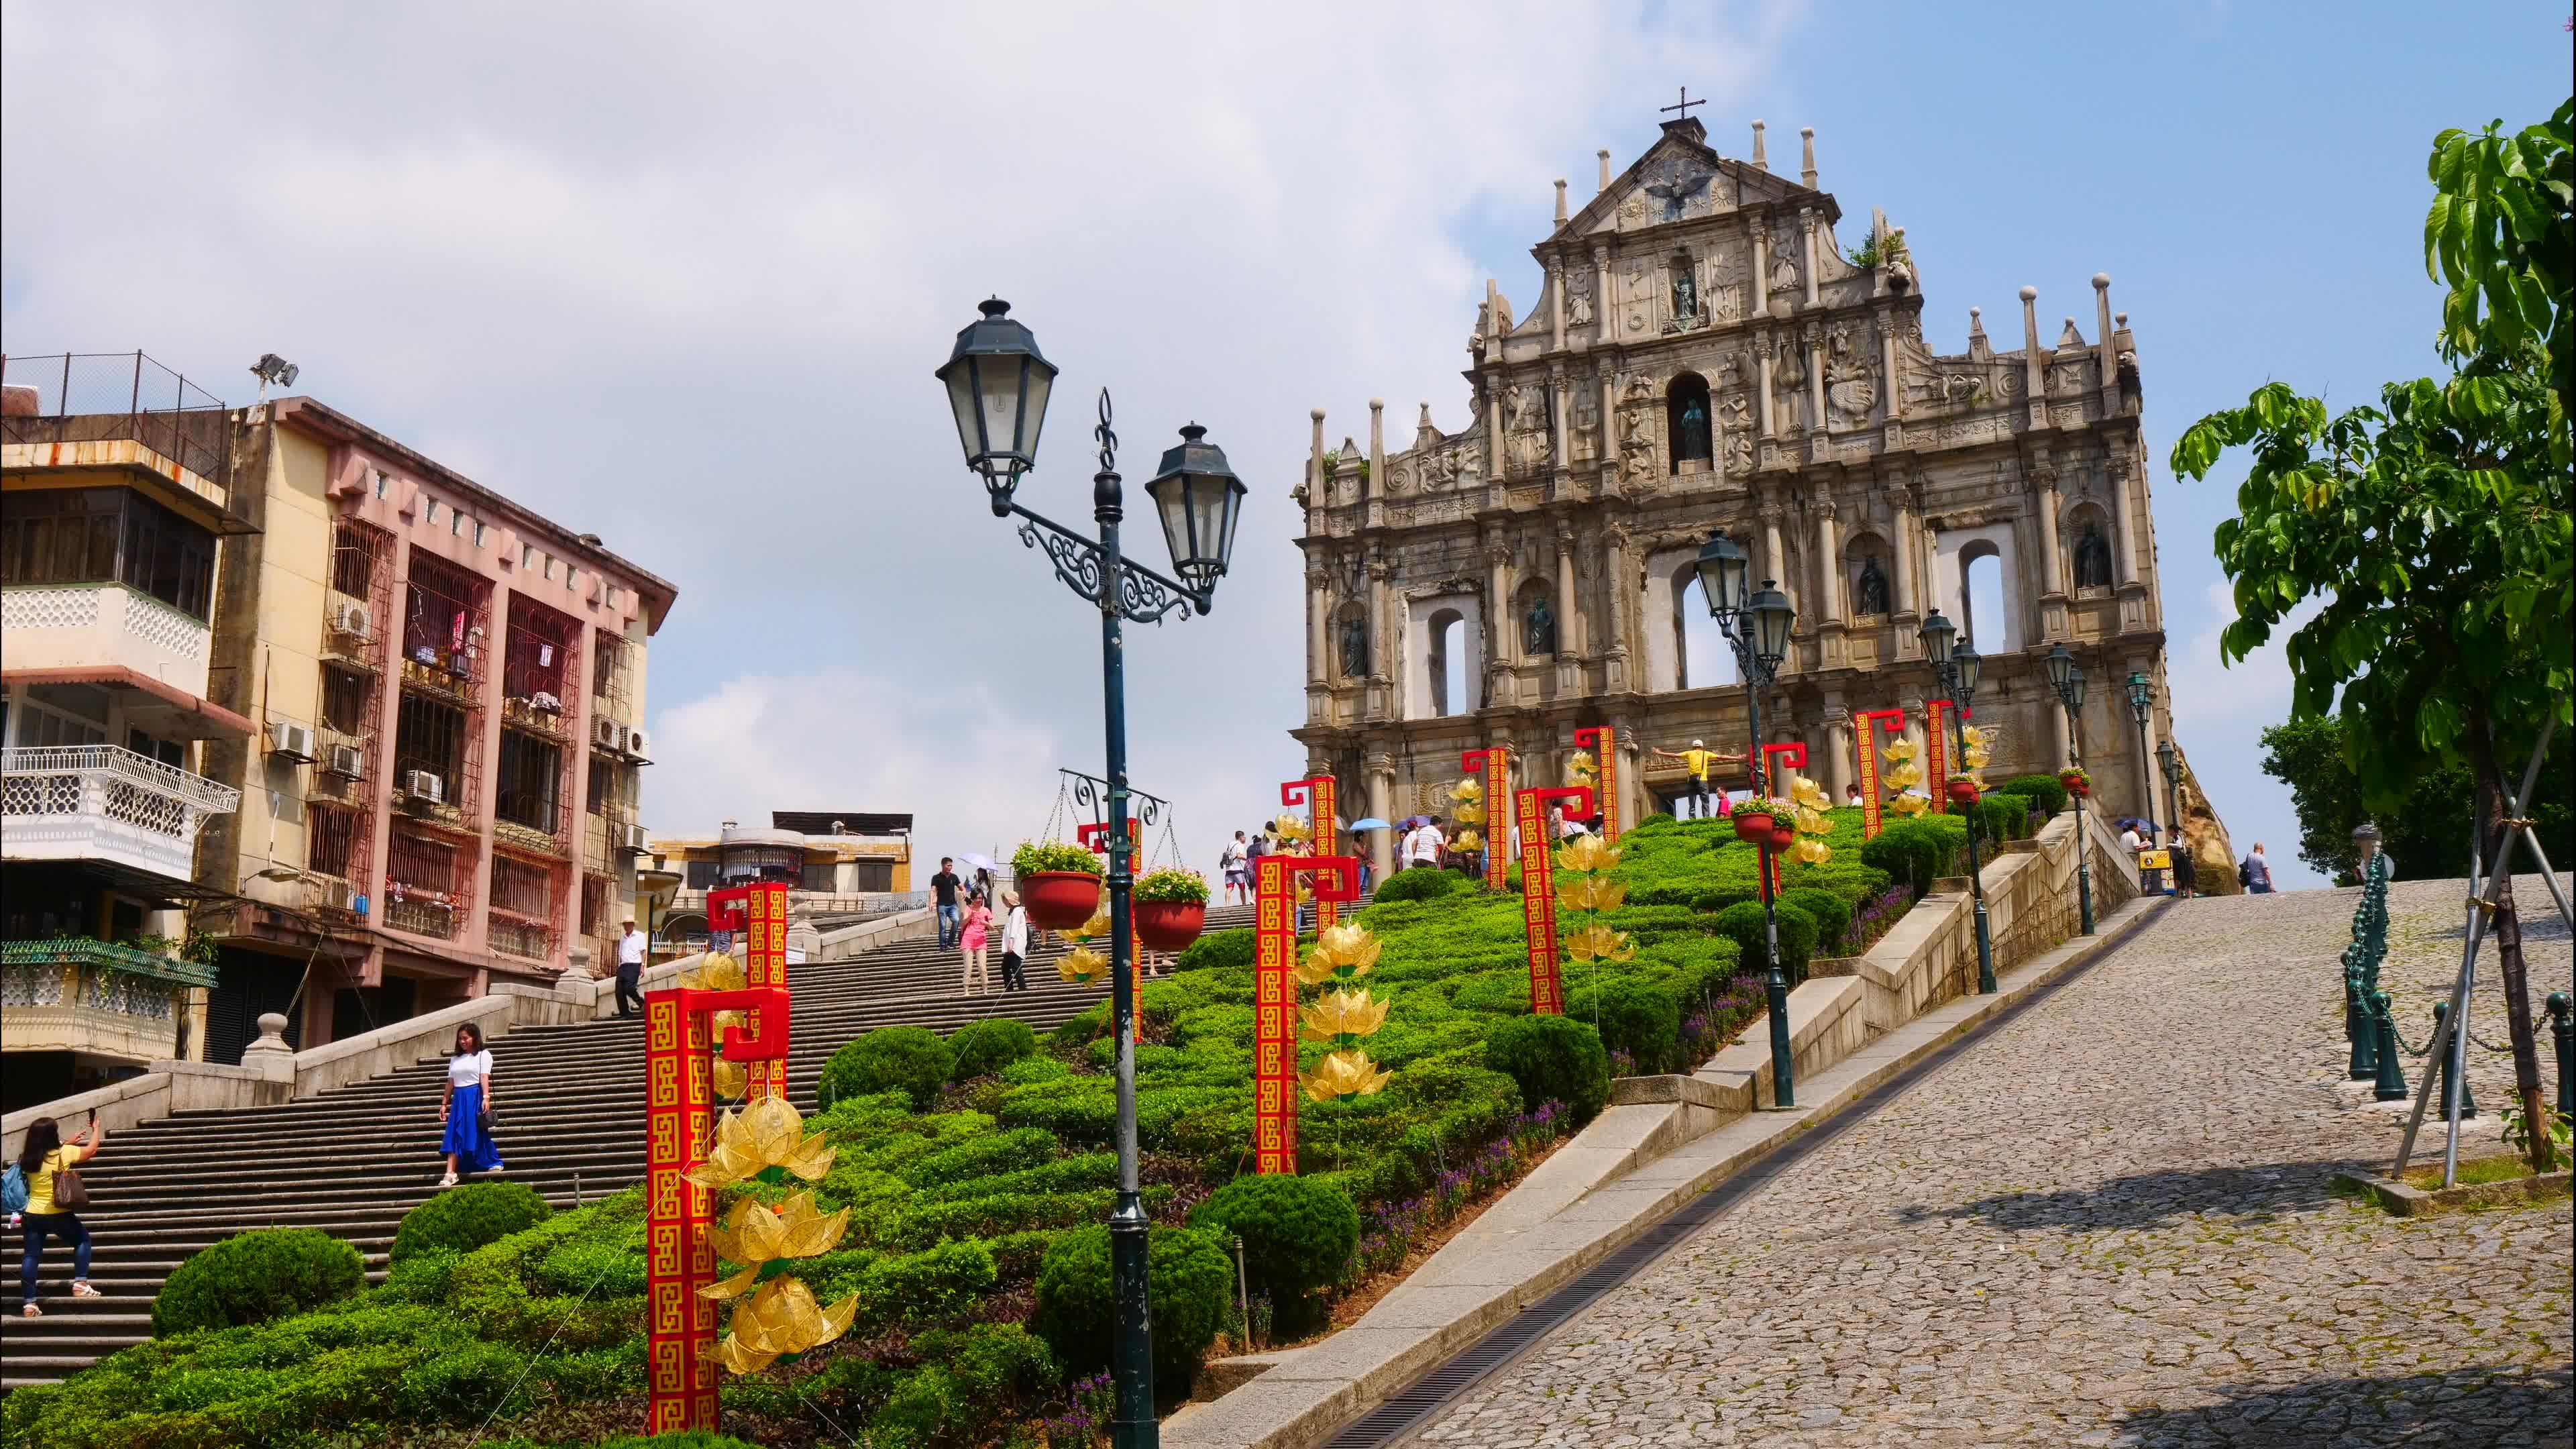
{"points": [[1704, 353]]}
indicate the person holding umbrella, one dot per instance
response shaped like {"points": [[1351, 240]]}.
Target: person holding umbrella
{"points": [[1368, 866]]}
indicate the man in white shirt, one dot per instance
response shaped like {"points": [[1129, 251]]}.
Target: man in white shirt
{"points": [[630, 971], [1422, 847]]}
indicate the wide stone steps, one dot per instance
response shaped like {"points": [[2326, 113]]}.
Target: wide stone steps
{"points": [[569, 1110]]}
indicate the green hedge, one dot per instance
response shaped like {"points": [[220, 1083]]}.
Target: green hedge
{"points": [[1189, 1276], [908, 1059], [1421, 885], [1831, 914], [1552, 1059], [1640, 1018], [464, 1218], [2044, 793], [984, 1047], [256, 1276], [1797, 932], [1298, 1235]]}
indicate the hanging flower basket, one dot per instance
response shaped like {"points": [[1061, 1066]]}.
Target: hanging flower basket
{"points": [[2076, 782], [1169, 925], [1963, 790], [1059, 900], [1752, 826], [1783, 836]]}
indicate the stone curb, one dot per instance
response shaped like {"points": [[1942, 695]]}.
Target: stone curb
{"points": [[1302, 1397], [2407, 1201]]}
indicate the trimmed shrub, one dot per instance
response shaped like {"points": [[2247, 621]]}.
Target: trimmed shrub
{"points": [[1712, 902], [1911, 851], [2044, 793], [976, 1381], [259, 1275], [462, 1219], [1218, 951], [2003, 817], [908, 1059], [1551, 1059], [1189, 1275], [1417, 885], [982, 1048], [422, 1277], [1797, 935], [1635, 1017], [1831, 913], [1298, 1234]]}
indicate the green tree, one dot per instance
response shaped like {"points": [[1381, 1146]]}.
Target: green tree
{"points": [[2433, 529], [2427, 838]]}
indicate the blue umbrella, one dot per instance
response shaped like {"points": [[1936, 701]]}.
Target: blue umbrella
{"points": [[1371, 823]]}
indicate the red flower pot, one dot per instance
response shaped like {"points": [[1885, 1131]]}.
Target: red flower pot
{"points": [[1783, 836], [1964, 791], [1752, 825], [1169, 925], [1059, 900]]}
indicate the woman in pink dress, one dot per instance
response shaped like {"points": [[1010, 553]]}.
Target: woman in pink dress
{"points": [[971, 940]]}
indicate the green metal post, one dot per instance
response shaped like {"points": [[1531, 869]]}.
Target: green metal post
{"points": [[2391, 1085], [2357, 1025], [2562, 1041], [2451, 1052], [1775, 986]]}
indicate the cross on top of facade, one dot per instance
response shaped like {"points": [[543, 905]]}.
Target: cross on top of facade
{"points": [[1683, 107]]}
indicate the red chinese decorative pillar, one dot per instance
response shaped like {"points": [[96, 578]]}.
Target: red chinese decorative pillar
{"points": [[1867, 723], [1318, 795], [1603, 741], [765, 964], [1274, 994], [1773, 756], [1936, 751], [680, 1323], [1495, 763], [1538, 892]]}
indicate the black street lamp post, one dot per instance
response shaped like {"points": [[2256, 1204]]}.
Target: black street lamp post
{"points": [[2068, 681], [2142, 703], [997, 386], [1758, 626], [2171, 764], [1956, 664]]}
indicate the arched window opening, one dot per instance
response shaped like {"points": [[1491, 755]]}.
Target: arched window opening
{"points": [[1448, 662], [1706, 658], [1981, 599], [1686, 407]]}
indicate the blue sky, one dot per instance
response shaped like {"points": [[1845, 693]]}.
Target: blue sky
{"points": [[681, 281]]}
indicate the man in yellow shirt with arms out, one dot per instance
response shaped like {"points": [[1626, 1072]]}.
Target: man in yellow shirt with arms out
{"points": [[1697, 760]]}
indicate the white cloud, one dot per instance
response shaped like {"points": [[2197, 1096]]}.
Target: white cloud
{"points": [[679, 275]]}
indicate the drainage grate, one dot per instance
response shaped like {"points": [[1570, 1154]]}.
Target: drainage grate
{"points": [[1400, 1413]]}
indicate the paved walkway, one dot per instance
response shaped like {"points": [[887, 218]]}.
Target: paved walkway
{"points": [[2106, 1224]]}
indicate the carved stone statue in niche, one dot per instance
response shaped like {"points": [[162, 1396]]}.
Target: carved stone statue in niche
{"points": [[1578, 299], [1789, 376], [1525, 419], [1690, 428], [1869, 594], [1538, 636], [1586, 440], [1739, 452], [2092, 560], [1355, 647], [1685, 290]]}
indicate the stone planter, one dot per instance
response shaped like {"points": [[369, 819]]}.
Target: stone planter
{"points": [[2406, 1200], [1059, 900]]}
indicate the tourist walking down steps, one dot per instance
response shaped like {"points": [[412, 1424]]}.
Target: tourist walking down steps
{"points": [[972, 937], [44, 1172], [1015, 943], [943, 895], [466, 1111]]}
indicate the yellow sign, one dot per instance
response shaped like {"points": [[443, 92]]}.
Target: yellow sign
{"points": [[2155, 860]]}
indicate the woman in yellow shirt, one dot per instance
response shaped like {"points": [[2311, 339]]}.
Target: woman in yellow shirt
{"points": [[45, 1154]]}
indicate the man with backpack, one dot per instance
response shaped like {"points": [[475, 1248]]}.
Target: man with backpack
{"points": [[2254, 872]]}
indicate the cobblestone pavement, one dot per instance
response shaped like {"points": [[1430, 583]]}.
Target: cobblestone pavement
{"points": [[2108, 1223]]}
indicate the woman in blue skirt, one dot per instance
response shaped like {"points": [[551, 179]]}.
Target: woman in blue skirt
{"points": [[467, 1109]]}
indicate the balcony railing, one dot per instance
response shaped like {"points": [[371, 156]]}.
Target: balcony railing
{"points": [[84, 397], [76, 994], [104, 802]]}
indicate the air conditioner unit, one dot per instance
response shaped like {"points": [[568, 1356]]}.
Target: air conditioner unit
{"points": [[351, 619], [630, 838], [294, 741], [606, 733], [348, 761], [422, 785], [640, 745], [331, 895]]}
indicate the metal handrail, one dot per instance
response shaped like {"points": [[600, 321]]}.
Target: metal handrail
{"points": [[191, 788]]}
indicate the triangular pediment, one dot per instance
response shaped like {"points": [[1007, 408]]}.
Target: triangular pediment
{"points": [[1679, 178]]}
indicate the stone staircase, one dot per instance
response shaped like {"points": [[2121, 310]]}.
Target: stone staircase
{"points": [[569, 1112]]}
